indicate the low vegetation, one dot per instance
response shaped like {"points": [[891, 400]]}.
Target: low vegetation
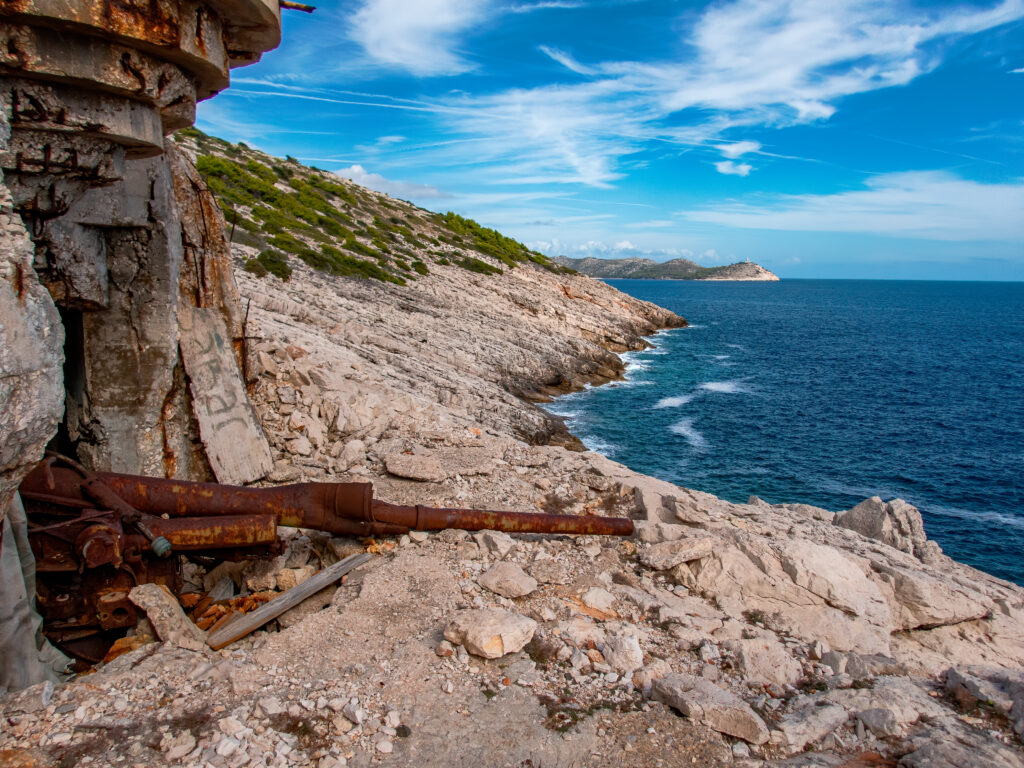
{"points": [[287, 211]]}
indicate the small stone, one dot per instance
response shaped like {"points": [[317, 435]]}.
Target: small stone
{"points": [[300, 446], [342, 724], [709, 652], [226, 747], [703, 701], [393, 719], [881, 722], [385, 747], [270, 706], [835, 660], [229, 725], [669, 554], [448, 686], [426, 469], [444, 649], [490, 632], [496, 542], [165, 614], [354, 712], [176, 747], [599, 599], [419, 536], [623, 654], [508, 580], [816, 650]]}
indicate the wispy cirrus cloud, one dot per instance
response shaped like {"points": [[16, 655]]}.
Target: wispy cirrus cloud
{"points": [[566, 60], [933, 205], [743, 64], [753, 63], [419, 36]]}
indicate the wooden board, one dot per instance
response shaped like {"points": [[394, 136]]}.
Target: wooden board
{"points": [[234, 441], [242, 625]]}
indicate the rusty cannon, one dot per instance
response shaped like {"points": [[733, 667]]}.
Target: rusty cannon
{"points": [[95, 535]]}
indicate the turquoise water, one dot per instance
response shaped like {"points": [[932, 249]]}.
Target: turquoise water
{"points": [[830, 391]]}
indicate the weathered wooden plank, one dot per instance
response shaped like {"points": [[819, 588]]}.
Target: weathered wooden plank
{"points": [[250, 622], [235, 444]]}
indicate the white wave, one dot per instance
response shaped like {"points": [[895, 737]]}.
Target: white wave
{"points": [[721, 357], [726, 387], [674, 402], [976, 516], [685, 428], [736, 346], [597, 445]]}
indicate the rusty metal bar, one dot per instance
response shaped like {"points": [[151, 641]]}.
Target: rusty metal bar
{"points": [[341, 508], [196, 533], [420, 518]]}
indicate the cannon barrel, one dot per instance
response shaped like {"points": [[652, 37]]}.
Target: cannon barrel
{"points": [[340, 508]]}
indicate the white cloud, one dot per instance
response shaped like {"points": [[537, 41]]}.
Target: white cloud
{"points": [[567, 60], [420, 36], [749, 62], [737, 148], [931, 205], [545, 5], [402, 189], [729, 168]]}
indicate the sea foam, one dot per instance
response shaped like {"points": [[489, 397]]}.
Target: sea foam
{"points": [[674, 402], [685, 428], [727, 387]]}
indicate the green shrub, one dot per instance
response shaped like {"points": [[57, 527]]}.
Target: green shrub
{"points": [[420, 267], [275, 263], [476, 265], [256, 267]]}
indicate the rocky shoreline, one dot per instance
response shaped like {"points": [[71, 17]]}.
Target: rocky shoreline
{"points": [[721, 634]]}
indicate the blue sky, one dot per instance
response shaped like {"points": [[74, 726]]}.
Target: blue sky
{"points": [[848, 138]]}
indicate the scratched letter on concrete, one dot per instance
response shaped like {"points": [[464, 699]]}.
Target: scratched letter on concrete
{"points": [[235, 443]]}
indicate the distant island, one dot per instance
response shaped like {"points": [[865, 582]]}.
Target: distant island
{"points": [[676, 269]]}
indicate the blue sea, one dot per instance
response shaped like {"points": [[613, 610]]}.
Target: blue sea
{"points": [[827, 392]]}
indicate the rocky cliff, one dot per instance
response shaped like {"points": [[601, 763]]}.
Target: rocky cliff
{"points": [[674, 269], [721, 634]]}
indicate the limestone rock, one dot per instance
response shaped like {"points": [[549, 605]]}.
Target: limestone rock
{"points": [[165, 614], [765, 660], [881, 722], [412, 467], [496, 542], [490, 632], [704, 702], [669, 554], [810, 721], [622, 653], [895, 523], [550, 571], [599, 599], [508, 580]]}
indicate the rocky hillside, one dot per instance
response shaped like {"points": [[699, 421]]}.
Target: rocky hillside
{"points": [[675, 269], [428, 309], [749, 635]]}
